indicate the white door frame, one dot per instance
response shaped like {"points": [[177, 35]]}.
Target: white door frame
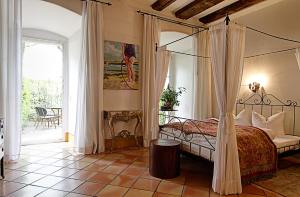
{"points": [[50, 37]]}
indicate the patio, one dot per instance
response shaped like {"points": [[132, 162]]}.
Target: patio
{"points": [[42, 134]]}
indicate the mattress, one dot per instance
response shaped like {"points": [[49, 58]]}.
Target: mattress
{"points": [[287, 142], [203, 145]]}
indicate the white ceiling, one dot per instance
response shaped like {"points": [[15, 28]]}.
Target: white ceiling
{"points": [[42, 15]]}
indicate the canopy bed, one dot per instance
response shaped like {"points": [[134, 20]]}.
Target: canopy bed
{"points": [[221, 141]]}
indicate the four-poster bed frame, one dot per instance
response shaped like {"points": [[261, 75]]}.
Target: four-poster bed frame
{"points": [[257, 152], [203, 145]]}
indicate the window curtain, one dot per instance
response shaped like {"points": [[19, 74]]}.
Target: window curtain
{"points": [[298, 56], [163, 62], [89, 132], [203, 78], [227, 50], [151, 36], [11, 75]]}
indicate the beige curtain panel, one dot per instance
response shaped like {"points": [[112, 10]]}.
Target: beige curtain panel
{"points": [[89, 131], [150, 41]]}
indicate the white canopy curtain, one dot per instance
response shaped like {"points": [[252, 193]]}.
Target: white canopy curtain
{"points": [[11, 75], [298, 56], [89, 131], [203, 77], [150, 69], [227, 51]]}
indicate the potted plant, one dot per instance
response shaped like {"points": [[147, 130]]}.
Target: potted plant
{"points": [[169, 98]]}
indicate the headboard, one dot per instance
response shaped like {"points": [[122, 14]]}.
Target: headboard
{"points": [[268, 105]]}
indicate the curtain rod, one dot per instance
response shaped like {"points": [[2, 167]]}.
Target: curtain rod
{"points": [[182, 53], [183, 38], [106, 3], [170, 20], [262, 54], [274, 36], [272, 52], [227, 20]]}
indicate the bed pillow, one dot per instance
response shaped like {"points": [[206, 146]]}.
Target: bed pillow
{"points": [[275, 123], [244, 118], [270, 133]]}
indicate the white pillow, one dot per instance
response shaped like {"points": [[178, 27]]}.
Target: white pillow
{"points": [[270, 133], [275, 123], [244, 118]]}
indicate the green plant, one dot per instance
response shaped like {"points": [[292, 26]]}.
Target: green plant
{"points": [[169, 97], [26, 97], [39, 93]]}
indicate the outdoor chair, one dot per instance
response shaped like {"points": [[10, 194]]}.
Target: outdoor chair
{"points": [[42, 116]]}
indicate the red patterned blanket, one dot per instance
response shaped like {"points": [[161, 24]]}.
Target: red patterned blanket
{"points": [[257, 152]]}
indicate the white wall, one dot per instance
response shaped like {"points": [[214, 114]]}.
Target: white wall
{"points": [[122, 24], [43, 15], [280, 70]]}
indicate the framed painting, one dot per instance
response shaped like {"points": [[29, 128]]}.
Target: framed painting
{"points": [[121, 66]]}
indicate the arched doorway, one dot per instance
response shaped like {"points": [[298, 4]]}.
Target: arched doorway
{"points": [[50, 50]]}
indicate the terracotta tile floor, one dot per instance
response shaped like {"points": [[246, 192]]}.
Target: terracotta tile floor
{"points": [[52, 170]]}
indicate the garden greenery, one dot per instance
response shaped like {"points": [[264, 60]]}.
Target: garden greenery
{"points": [[39, 93]]}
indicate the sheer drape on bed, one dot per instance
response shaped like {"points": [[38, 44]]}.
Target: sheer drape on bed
{"points": [[89, 133], [203, 77], [11, 75], [227, 50]]}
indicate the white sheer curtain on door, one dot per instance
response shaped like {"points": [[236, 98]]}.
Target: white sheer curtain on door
{"points": [[227, 51], [150, 42], [298, 56], [89, 133], [11, 75], [203, 77]]}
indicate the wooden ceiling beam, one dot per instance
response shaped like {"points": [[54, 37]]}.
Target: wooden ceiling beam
{"points": [[159, 5], [230, 9], [195, 8]]}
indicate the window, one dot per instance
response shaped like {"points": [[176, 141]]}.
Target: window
{"points": [[181, 71]]}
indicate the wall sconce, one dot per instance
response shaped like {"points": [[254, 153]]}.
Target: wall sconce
{"points": [[254, 86]]}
